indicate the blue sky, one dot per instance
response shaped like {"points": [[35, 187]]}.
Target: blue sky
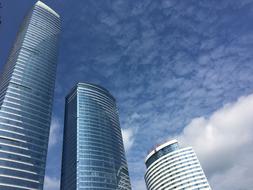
{"points": [[172, 65]]}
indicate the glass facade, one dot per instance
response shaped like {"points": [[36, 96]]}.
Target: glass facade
{"points": [[170, 167], [93, 152], [26, 96]]}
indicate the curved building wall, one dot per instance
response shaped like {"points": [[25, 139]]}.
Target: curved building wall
{"points": [[175, 168], [26, 96], [93, 152]]}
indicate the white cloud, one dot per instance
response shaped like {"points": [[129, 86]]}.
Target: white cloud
{"points": [[128, 138], [130, 130], [51, 183], [55, 135], [138, 184], [223, 143]]}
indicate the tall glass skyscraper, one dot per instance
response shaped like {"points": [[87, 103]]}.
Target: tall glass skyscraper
{"points": [[26, 97], [171, 167], [93, 152]]}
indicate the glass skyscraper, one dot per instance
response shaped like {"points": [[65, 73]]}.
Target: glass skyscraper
{"points": [[171, 167], [93, 152], [26, 97]]}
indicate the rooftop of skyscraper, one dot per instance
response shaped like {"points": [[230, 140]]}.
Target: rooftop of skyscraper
{"points": [[92, 85], [43, 5], [161, 150]]}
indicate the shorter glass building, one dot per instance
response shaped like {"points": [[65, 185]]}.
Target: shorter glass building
{"points": [[171, 167], [93, 152]]}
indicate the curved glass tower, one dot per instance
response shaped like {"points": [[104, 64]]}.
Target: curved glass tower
{"points": [[26, 96], [93, 152], [172, 168]]}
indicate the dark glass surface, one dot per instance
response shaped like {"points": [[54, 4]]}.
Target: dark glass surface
{"points": [[99, 158]]}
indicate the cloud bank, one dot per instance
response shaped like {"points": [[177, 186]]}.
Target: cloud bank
{"points": [[223, 143]]}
